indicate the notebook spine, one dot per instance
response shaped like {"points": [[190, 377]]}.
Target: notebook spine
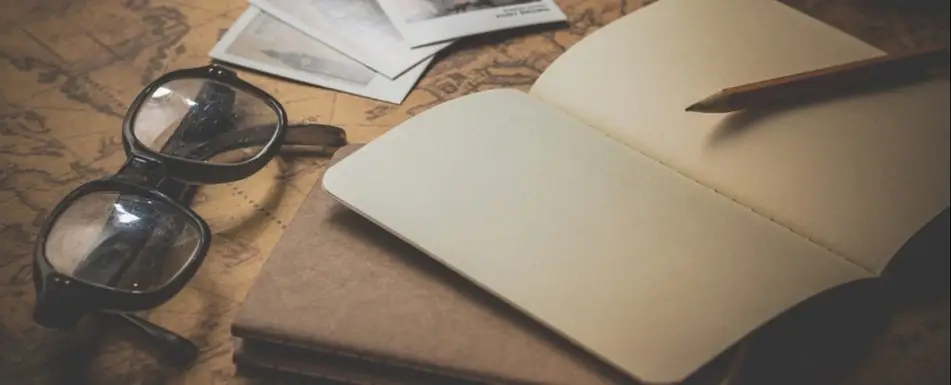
{"points": [[815, 242], [464, 378], [283, 369]]}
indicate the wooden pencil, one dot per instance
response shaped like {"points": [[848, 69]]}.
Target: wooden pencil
{"points": [[827, 81]]}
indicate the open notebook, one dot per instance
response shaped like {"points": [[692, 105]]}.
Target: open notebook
{"points": [[652, 237]]}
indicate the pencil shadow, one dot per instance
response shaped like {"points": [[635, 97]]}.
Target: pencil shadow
{"points": [[733, 126], [738, 123]]}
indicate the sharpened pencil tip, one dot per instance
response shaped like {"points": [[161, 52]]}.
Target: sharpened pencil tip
{"points": [[707, 104], [712, 104], [702, 106]]}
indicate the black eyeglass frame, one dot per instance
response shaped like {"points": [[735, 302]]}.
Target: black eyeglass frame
{"points": [[197, 172], [171, 180], [108, 298]]}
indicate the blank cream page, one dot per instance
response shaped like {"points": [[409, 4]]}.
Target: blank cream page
{"points": [[858, 175], [634, 262]]}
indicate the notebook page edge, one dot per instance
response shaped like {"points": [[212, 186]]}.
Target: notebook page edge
{"points": [[331, 186], [543, 90], [546, 89]]}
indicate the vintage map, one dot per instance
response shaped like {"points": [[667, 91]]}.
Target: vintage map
{"points": [[69, 69]]}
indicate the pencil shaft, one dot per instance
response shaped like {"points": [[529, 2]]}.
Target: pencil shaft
{"points": [[828, 81]]}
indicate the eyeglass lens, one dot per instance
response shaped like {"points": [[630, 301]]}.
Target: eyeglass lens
{"points": [[122, 241], [186, 117]]}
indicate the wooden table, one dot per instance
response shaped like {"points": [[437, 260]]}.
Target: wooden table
{"points": [[69, 69]]}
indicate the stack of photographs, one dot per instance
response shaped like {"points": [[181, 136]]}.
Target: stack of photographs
{"points": [[372, 48]]}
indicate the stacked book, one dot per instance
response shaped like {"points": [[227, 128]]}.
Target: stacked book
{"points": [[590, 230], [372, 48], [340, 298]]}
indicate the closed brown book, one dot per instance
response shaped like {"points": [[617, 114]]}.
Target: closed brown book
{"points": [[338, 284], [283, 364], [341, 298]]}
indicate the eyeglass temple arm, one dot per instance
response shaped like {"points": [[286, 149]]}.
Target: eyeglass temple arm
{"points": [[175, 349], [178, 349], [308, 134], [223, 99], [324, 136]]}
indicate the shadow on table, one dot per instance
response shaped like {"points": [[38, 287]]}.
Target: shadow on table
{"points": [[896, 327]]}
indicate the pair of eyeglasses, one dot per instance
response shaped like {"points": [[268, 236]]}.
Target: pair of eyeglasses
{"points": [[129, 242]]}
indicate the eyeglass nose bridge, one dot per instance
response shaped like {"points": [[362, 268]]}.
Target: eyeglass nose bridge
{"points": [[141, 169]]}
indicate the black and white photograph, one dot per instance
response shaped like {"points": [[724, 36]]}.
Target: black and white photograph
{"points": [[425, 22], [419, 10], [358, 29], [260, 41]]}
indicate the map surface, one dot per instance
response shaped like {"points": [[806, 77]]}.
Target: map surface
{"points": [[70, 68]]}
